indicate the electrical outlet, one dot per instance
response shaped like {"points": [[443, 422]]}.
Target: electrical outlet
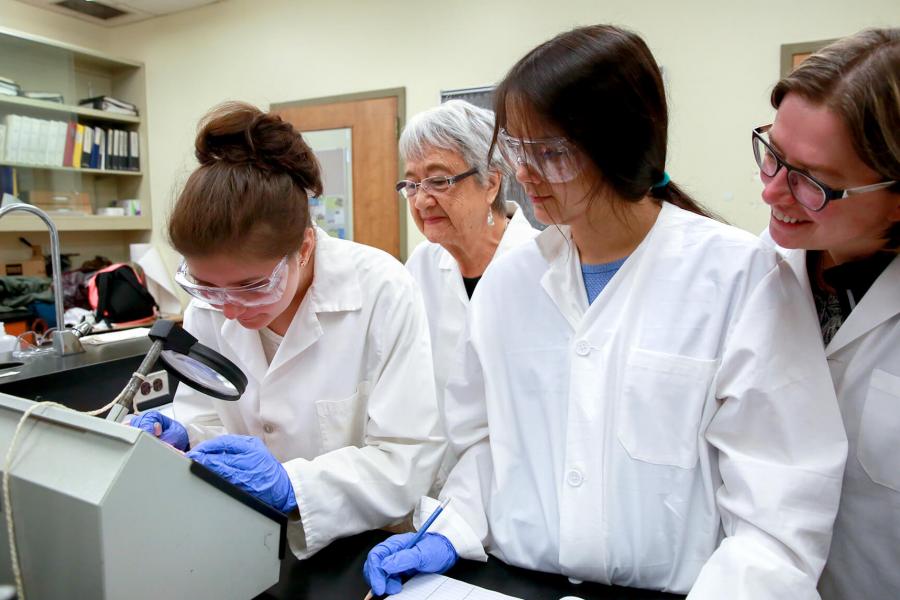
{"points": [[155, 385]]}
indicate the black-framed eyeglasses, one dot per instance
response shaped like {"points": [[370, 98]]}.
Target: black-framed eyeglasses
{"points": [[806, 189], [432, 185]]}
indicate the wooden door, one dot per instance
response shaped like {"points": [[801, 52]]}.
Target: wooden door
{"points": [[374, 124]]}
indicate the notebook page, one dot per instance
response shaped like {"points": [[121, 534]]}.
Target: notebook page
{"points": [[438, 587]]}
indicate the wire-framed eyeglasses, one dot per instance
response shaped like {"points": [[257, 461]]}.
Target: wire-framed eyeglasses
{"points": [[257, 293], [431, 185], [806, 189]]}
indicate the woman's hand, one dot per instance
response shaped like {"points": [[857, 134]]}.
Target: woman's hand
{"points": [[391, 559], [159, 425], [247, 463]]}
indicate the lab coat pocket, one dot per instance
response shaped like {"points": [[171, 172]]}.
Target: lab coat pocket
{"points": [[879, 445], [661, 408], [342, 422]]}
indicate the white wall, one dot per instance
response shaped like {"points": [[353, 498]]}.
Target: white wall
{"points": [[721, 60]]}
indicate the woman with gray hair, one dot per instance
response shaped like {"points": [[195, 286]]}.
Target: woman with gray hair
{"points": [[455, 200]]}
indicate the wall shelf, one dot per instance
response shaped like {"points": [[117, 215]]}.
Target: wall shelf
{"points": [[69, 222], [40, 64], [73, 169], [13, 102]]}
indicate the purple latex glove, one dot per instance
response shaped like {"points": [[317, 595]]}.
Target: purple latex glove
{"points": [[247, 463], [390, 560], [159, 425]]}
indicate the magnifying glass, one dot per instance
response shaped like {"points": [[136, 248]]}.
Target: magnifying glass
{"points": [[189, 361]]}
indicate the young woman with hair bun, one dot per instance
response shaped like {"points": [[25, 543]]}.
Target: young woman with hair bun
{"points": [[338, 426]]}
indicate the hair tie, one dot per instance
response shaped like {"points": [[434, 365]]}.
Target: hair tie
{"points": [[662, 182]]}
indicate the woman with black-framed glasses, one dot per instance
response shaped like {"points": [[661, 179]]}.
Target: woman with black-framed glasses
{"points": [[830, 164]]}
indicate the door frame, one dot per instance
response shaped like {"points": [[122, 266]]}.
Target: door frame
{"points": [[400, 94]]}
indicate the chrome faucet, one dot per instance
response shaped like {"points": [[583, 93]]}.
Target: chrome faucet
{"points": [[64, 341]]}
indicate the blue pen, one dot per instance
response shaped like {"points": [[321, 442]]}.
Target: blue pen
{"points": [[415, 539]]}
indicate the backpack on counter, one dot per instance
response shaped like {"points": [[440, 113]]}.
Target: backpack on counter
{"points": [[117, 294]]}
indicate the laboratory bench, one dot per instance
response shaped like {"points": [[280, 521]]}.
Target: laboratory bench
{"points": [[335, 573], [83, 381]]}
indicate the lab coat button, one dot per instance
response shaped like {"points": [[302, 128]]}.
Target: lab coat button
{"points": [[582, 348], [574, 478], [268, 428]]}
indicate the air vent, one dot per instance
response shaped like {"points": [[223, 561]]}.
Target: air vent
{"points": [[98, 10]]}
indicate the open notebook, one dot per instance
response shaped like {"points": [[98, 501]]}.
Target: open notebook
{"points": [[438, 587]]}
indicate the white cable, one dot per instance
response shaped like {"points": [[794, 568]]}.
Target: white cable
{"points": [[7, 500]]}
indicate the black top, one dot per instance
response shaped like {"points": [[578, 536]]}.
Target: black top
{"points": [[837, 290], [335, 573], [470, 283]]}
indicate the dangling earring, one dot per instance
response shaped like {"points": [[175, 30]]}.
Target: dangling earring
{"points": [[490, 219]]}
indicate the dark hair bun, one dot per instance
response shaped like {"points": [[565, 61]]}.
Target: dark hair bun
{"points": [[237, 133]]}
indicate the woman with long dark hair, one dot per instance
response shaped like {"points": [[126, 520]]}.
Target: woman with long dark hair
{"points": [[630, 406]]}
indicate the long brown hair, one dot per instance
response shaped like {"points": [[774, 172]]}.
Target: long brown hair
{"points": [[250, 193], [601, 86], [858, 78]]}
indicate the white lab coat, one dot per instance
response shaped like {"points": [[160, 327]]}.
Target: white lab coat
{"points": [[347, 404], [864, 357], [446, 303], [621, 442]]}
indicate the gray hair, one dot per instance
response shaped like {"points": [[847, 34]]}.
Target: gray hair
{"points": [[457, 126]]}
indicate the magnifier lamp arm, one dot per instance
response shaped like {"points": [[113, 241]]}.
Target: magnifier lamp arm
{"points": [[125, 400]]}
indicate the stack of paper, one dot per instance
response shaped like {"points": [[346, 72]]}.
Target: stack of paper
{"points": [[438, 587], [8, 87]]}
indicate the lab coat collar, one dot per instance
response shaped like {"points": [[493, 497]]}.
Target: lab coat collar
{"points": [[563, 280], [796, 259], [247, 347], [511, 236], [877, 306], [335, 288], [517, 221]]}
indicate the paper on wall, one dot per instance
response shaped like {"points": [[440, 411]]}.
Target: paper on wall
{"points": [[159, 281]]}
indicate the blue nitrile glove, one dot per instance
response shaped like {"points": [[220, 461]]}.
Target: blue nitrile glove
{"points": [[388, 561], [168, 430], [247, 463]]}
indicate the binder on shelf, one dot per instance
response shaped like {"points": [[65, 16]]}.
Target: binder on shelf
{"points": [[79, 146], [13, 135], [87, 144], [101, 149], [134, 152], [2, 141], [8, 181], [110, 149], [94, 159], [123, 150], [70, 143]]}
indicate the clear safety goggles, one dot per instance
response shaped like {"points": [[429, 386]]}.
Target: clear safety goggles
{"points": [[806, 189], [258, 293], [555, 159]]}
